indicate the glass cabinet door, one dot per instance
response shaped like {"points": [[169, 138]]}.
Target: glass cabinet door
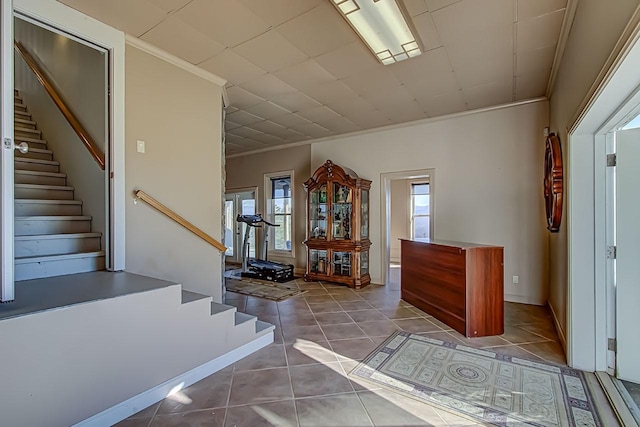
{"points": [[364, 263], [318, 261], [341, 221], [318, 213], [342, 263], [364, 215]]}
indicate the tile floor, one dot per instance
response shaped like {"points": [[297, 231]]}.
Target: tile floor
{"points": [[301, 379]]}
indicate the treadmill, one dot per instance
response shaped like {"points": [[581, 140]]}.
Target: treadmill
{"points": [[258, 268]]}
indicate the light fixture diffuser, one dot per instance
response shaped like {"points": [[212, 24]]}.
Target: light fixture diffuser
{"points": [[383, 28]]}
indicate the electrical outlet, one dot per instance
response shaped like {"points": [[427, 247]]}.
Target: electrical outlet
{"points": [[140, 146], [515, 280]]}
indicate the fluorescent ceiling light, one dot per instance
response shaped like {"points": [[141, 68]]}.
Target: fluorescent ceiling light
{"points": [[383, 28]]}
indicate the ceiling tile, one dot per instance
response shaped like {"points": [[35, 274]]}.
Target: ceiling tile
{"points": [[389, 97], [192, 46], [228, 22], [372, 80], [434, 5], [241, 98], [539, 32], [331, 93], [483, 45], [320, 115], [228, 125], [349, 60], [243, 118], [318, 31], [291, 121], [342, 125], [447, 103], [232, 67], [133, 17], [246, 132], [532, 85], [533, 8], [275, 12], [306, 74], [421, 67], [477, 73], [427, 31], [369, 118], [415, 7], [170, 5], [531, 60], [268, 110], [438, 83], [270, 51], [267, 127], [405, 113], [295, 101], [470, 16], [269, 139], [268, 86], [314, 130], [495, 93]]}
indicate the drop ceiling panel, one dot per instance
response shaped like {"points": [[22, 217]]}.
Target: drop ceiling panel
{"points": [[447, 103], [369, 119], [241, 98], [529, 61], [170, 5], [434, 5], [482, 45], [320, 115], [472, 16], [291, 121], [269, 139], [228, 22], [296, 101], [375, 80], [342, 125], [478, 73], [271, 51], [404, 113], [438, 83], [532, 85], [495, 93], [427, 31], [267, 110], [533, 8], [243, 118], [228, 125], [415, 7], [318, 31], [232, 67], [133, 17], [348, 60], [275, 12], [536, 33], [268, 86], [192, 46], [306, 74], [268, 127], [331, 93], [416, 69], [246, 132], [314, 130]]}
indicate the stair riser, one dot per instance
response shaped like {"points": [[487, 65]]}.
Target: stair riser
{"points": [[43, 209], [20, 107], [45, 247], [25, 125], [37, 270], [40, 145], [21, 115], [42, 180], [36, 167], [21, 133], [34, 155], [38, 227], [35, 193]]}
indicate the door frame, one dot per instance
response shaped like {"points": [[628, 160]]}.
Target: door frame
{"points": [[604, 108], [238, 242], [385, 210], [76, 25]]}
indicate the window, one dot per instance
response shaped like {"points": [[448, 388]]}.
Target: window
{"points": [[279, 210], [420, 210]]}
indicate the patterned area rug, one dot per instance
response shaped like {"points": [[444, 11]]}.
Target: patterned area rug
{"points": [[261, 289], [493, 388]]}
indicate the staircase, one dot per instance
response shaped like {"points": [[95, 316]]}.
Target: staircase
{"points": [[52, 237]]}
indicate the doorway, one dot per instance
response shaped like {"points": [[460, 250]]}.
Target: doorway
{"points": [[407, 212], [238, 202]]}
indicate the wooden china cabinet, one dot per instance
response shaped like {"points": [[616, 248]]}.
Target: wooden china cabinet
{"points": [[338, 226]]}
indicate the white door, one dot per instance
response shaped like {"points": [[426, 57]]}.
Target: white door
{"points": [[6, 152], [238, 203], [628, 255]]}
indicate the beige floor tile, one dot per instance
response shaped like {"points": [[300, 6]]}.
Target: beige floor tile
{"points": [[309, 333], [329, 411], [333, 318], [394, 313], [263, 415], [305, 352], [319, 380], [354, 349], [382, 328], [317, 299], [517, 335], [325, 307], [341, 332], [271, 356], [367, 315], [416, 325], [349, 306], [211, 392], [391, 409], [550, 351], [301, 319], [347, 297], [208, 418], [250, 387]]}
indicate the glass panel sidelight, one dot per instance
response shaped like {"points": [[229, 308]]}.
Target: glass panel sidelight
{"points": [[364, 263], [318, 261], [318, 213], [342, 263], [364, 214]]}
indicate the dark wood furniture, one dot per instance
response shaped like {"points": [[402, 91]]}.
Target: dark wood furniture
{"points": [[338, 226], [460, 284]]}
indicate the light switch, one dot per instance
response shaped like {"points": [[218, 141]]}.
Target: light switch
{"points": [[140, 146]]}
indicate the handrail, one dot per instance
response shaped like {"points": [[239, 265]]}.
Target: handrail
{"points": [[180, 220], [82, 133]]}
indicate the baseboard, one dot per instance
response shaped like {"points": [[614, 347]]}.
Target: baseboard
{"points": [[563, 339], [299, 272], [523, 300], [147, 398]]}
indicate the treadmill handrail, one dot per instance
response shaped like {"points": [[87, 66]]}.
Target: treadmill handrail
{"points": [[252, 220]]}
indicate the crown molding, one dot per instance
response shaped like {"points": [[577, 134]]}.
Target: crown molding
{"points": [[565, 30]]}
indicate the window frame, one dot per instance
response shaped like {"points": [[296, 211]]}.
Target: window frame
{"points": [[410, 223], [269, 216]]}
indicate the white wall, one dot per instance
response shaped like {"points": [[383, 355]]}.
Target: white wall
{"points": [[248, 171], [399, 216], [79, 73], [178, 115], [596, 29], [489, 167]]}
